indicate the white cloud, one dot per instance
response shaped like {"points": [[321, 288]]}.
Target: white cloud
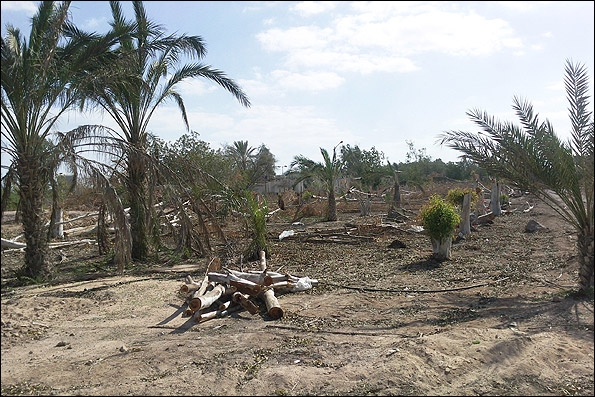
{"points": [[95, 23], [195, 87], [309, 8], [348, 62], [309, 81], [286, 130], [384, 36], [521, 6], [29, 7], [295, 38], [556, 86], [256, 88]]}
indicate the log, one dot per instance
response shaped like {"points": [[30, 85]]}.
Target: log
{"points": [[275, 277], [244, 286], [273, 307], [203, 286], [245, 302], [82, 230], [202, 301], [187, 289], [257, 278], [283, 285], [202, 317], [486, 218], [12, 244]]}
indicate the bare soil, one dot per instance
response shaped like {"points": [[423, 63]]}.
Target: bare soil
{"points": [[366, 329]]}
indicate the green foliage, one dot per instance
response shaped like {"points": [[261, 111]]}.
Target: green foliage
{"points": [[455, 196], [257, 212], [439, 218], [420, 169], [365, 165], [12, 199], [249, 166], [327, 172]]}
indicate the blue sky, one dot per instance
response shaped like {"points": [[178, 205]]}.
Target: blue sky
{"points": [[372, 74]]}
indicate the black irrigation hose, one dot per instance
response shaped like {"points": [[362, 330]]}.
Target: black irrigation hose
{"points": [[411, 290]]}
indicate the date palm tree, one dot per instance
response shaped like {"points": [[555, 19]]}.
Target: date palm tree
{"points": [[328, 172], [41, 79], [154, 58], [532, 157], [241, 153]]}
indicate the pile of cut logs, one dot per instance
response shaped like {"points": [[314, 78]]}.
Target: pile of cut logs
{"points": [[220, 294]]}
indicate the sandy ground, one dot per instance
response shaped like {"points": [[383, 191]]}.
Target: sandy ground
{"points": [[517, 329]]}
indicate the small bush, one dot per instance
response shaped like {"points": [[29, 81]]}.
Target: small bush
{"points": [[257, 212], [455, 196], [439, 218], [504, 199]]}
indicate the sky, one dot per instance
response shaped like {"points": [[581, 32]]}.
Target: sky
{"points": [[368, 74]]}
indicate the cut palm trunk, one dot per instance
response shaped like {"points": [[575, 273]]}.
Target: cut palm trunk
{"points": [[58, 223], [245, 302], [495, 199], [441, 248], [273, 307], [256, 278], [206, 300], [201, 317], [465, 225], [244, 286]]}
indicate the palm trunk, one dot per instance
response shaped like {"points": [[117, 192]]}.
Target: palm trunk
{"points": [[396, 191], [465, 225], [585, 271], [441, 248], [31, 195], [102, 243], [332, 206], [137, 178], [495, 199]]}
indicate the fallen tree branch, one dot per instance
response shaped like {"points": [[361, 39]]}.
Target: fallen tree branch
{"points": [[14, 246]]}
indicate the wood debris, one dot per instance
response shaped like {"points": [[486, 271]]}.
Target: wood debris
{"points": [[222, 292]]}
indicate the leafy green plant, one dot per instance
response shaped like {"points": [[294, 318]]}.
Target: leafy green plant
{"points": [[257, 212], [504, 199], [455, 196], [439, 218]]}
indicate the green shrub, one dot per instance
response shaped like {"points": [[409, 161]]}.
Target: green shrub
{"points": [[257, 212], [439, 218], [455, 196], [307, 195]]}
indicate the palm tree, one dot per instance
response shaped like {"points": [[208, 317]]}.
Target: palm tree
{"points": [[150, 55], [328, 173], [241, 153], [41, 78], [533, 158]]}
